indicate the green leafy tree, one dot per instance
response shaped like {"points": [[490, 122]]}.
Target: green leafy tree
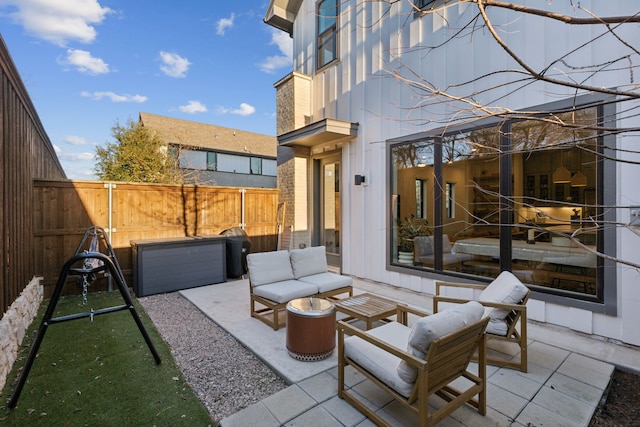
{"points": [[138, 155]]}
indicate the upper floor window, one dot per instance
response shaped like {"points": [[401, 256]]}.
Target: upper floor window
{"points": [[256, 166], [327, 28], [212, 161]]}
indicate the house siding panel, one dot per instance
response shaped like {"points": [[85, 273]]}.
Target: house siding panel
{"points": [[359, 88]]}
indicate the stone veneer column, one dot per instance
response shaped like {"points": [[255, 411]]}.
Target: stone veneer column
{"points": [[293, 110], [14, 325]]}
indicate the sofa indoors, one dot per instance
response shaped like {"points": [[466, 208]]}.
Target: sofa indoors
{"points": [[277, 277]]}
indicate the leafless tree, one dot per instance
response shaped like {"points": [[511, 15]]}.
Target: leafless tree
{"points": [[539, 130]]}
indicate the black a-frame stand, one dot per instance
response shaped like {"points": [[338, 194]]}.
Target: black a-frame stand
{"points": [[90, 263]]}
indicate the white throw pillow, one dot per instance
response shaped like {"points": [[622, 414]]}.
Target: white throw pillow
{"points": [[430, 328], [507, 289]]}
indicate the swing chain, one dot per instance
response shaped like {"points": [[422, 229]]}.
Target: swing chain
{"points": [[85, 286]]}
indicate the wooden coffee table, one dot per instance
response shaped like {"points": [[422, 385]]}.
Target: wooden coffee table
{"points": [[369, 308]]}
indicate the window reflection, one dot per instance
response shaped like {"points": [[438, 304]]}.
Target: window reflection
{"points": [[553, 240]]}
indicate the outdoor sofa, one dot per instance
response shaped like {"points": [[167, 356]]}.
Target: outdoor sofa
{"points": [[277, 277]]}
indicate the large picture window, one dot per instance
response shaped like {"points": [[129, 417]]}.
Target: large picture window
{"points": [[524, 200], [327, 27]]}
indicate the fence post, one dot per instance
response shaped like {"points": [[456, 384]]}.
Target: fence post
{"points": [[243, 191]]}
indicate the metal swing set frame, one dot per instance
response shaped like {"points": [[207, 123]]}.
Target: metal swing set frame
{"points": [[92, 261]]}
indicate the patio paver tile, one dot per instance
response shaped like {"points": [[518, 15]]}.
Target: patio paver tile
{"points": [[320, 387], [253, 415], [589, 371], [316, 417], [343, 411], [546, 355], [536, 415], [564, 405], [508, 379], [289, 403], [575, 388], [504, 401]]}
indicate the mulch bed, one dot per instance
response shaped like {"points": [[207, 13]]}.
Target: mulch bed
{"points": [[620, 405]]}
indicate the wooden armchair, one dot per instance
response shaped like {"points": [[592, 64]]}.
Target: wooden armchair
{"points": [[412, 364], [505, 300]]}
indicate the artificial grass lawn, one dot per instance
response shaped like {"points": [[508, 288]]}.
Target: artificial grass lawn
{"points": [[100, 373]]}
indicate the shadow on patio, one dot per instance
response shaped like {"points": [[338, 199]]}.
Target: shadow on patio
{"points": [[567, 376]]}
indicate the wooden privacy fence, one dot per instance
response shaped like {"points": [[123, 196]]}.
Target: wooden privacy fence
{"points": [[25, 152], [63, 210]]}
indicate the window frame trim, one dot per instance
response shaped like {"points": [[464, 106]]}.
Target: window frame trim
{"points": [[607, 242], [318, 36]]}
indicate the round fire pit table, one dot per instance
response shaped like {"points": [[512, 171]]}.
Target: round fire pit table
{"points": [[311, 329]]}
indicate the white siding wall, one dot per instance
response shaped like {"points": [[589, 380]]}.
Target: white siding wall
{"points": [[360, 89]]}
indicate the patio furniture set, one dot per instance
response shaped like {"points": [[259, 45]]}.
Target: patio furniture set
{"points": [[409, 361]]}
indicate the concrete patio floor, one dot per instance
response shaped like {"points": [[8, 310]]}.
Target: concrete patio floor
{"points": [[568, 372]]}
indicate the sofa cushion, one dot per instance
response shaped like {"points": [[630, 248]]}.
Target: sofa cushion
{"points": [[269, 267], [498, 327], [446, 244], [308, 261], [285, 291], [506, 289], [377, 361], [326, 282], [430, 328]]}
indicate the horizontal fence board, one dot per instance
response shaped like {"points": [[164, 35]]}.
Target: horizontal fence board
{"points": [[65, 209]]}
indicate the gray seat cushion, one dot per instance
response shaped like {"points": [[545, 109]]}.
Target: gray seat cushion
{"points": [[327, 281], [285, 291], [377, 361]]}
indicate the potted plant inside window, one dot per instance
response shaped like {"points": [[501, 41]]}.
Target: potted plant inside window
{"points": [[408, 229]]}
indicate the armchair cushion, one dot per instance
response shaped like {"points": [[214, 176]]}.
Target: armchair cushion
{"points": [[308, 261], [506, 289], [269, 267], [430, 328], [379, 362]]}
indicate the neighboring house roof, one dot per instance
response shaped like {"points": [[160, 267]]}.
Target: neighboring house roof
{"points": [[194, 134]]}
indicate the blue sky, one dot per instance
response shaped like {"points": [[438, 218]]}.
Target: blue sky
{"points": [[89, 64]]}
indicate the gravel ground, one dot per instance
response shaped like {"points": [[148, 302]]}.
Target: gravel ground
{"points": [[225, 376]]}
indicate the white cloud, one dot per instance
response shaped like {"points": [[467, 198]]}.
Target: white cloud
{"points": [[244, 110], [85, 63], [75, 140], [57, 149], [285, 44], [224, 23], [193, 107], [59, 22], [114, 97], [174, 64], [76, 156]]}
